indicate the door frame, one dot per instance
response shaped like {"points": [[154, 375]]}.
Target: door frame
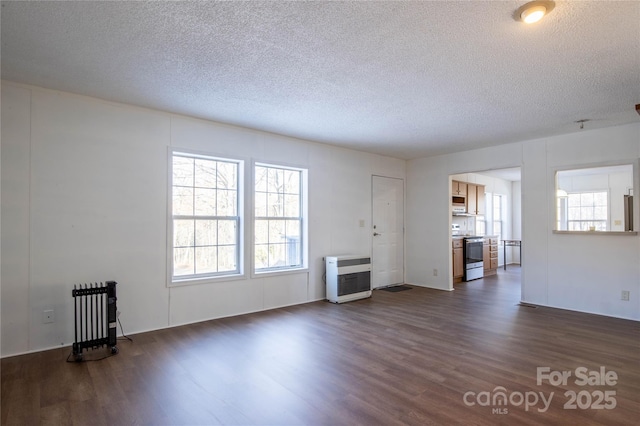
{"points": [[487, 172]]}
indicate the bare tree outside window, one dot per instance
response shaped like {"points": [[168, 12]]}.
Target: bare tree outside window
{"points": [[587, 211], [278, 218]]}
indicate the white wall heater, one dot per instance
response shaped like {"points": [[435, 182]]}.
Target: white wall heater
{"points": [[348, 278]]}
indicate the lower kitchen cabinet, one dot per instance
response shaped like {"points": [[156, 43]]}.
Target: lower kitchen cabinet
{"points": [[490, 256], [458, 260]]}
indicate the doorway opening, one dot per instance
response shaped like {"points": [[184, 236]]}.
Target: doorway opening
{"points": [[487, 204]]}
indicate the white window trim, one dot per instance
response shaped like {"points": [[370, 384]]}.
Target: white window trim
{"points": [[240, 274], [593, 191], [552, 186], [304, 208], [502, 215]]}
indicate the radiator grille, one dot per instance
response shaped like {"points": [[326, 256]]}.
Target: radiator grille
{"points": [[95, 314]]}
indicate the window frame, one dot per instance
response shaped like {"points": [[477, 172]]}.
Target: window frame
{"points": [[304, 219], [501, 210], [238, 273], [480, 225], [607, 218], [553, 188]]}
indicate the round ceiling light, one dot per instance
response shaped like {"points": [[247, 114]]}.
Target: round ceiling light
{"points": [[533, 11], [533, 14]]}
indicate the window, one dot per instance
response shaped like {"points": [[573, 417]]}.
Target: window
{"points": [[497, 215], [279, 216], [206, 222], [481, 219], [586, 211], [481, 225]]}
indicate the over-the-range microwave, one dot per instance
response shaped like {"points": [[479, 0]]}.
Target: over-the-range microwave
{"points": [[459, 201]]}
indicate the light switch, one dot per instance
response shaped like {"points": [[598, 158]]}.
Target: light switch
{"points": [[361, 223]]}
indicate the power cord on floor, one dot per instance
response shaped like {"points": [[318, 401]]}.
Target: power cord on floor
{"points": [[87, 360], [124, 336]]}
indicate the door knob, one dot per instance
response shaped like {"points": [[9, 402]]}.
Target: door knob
{"points": [[375, 234]]}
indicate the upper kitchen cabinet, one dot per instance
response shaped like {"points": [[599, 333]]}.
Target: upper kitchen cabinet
{"points": [[475, 199], [458, 188]]}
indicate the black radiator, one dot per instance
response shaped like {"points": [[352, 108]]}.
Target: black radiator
{"points": [[95, 313]]}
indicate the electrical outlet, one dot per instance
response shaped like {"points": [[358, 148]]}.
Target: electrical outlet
{"points": [[435, 272], [625, 295], [47, 316]]}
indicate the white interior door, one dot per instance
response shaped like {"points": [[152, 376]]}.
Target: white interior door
{"points": [[387, 262]]}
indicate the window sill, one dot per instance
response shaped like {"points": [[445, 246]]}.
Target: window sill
{"points": [[206, 280], [627, 233], [275, 272]]}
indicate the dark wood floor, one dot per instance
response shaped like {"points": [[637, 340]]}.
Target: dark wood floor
{"points": [[397, 358]]}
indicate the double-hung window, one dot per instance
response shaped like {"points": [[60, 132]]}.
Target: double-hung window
{"points": [[206, 219], [278, 218], [587, 211]]}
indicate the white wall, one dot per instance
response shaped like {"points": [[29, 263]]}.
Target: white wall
{"points": [[84, 193], [579, 272], [516, 209], [516, 215], [84, 199]]}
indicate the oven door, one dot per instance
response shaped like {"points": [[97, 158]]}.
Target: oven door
{"points": [[473, 253]]}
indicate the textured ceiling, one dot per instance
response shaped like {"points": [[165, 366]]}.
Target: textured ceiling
{"points": [[406, 79]]}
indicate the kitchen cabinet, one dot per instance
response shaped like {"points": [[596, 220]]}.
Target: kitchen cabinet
{"points": [[475, 199], [471, 198], [480, 200], [458, 260], [458, 188], [471, 194], [494, 253], [490, 256], [486, 256]]}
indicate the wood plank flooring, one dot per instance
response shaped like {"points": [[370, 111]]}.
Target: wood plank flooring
{"points": [[404, 358]]}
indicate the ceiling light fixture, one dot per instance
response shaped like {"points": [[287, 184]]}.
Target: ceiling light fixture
{"points": [[533, 11]]}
